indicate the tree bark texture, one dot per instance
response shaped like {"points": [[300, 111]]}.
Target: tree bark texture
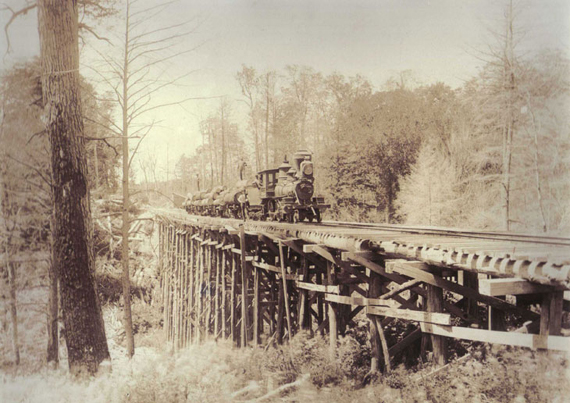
{"points": [[73, 255], [53, 310]]}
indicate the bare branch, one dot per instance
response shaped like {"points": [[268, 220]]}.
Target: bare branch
{"points": [[139, 143], [33, 168], [137, 37], [15, 14], [118, 131], [41, 132], [92, 32], [104, 140], [176, 103], [151, 191], [169, 57]]}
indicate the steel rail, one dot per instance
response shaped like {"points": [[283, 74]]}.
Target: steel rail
{"points": [[454, 232]]}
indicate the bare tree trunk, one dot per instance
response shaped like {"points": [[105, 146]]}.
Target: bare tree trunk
{"points": [[223, 168], [126, 200], [256, 135], [96, 157], [73, 254], [13, 306], [267, 122], [8, 220], [509, 84], [211, 141], [534, 136]]}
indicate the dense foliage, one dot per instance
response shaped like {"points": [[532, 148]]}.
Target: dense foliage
{"points": [[492, 154]]}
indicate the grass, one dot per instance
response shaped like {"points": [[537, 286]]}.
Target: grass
{"points": [[219, 372]]}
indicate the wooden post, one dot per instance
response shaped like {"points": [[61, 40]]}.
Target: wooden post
{"points": [[244, 288], [280, 313], [208, 286], [165, 293], [224, 297], [274, 296], [551, 313], [191, 272], [183, 290], [177, 290], [217, 325], [375, 290], [320, 304], [496, 318], [304, 314], [168, 305], [333, 328], [471, 280], [200, 294], [439, 343], [256, 307], [197, 289], [285, 296], [234, 300]]}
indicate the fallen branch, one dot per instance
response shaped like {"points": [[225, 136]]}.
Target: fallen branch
{"points": [[282, 388], [446, 366]]}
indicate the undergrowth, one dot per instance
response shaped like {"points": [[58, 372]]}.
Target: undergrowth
{"points": [[219, 372]]}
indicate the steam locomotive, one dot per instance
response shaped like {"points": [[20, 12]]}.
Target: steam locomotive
{"points": [[285, 193]]}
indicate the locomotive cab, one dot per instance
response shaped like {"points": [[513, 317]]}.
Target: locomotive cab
{"points": [[268, 181]]}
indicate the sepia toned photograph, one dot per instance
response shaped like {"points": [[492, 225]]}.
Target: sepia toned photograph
{"points": [[285, 201]]}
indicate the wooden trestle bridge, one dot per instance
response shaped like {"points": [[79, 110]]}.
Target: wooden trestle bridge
{"points": [[260, 282]]}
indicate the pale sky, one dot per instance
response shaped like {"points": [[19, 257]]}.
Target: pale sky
{"points": [[438, 40]]}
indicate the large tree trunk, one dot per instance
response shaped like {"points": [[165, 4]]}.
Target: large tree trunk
{"points": [[73, 254], [53, 310]]}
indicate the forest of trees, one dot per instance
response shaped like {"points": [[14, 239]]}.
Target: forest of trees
{"points": [[492, 154]]}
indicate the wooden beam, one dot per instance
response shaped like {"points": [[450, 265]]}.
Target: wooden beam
{"points": [[533, 341], [275, 269], [510, 286], [407, 314], [363, 259], [361, 301], [310, 248], [325, 253], [239, 252], [334, 289], [405, 343], [401, 288], [298, 248], [432, 279], [435, 305], [391, 263]]}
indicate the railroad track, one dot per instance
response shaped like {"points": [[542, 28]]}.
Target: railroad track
{"points": [[453, 232], [397, 229]]}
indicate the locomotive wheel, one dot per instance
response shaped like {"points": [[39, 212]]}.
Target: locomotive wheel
{"points": [[318, 216]]}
